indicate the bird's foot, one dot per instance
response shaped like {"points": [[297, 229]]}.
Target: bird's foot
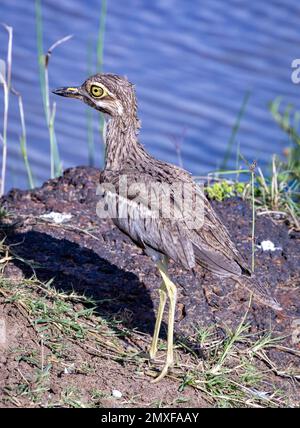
{"points": [[169, 363]]}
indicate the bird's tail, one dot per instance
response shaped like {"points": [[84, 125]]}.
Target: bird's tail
{"points": [[260, 292]]}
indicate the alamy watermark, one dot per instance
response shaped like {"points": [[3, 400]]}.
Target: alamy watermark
{"points": [[178, 202], [295, 75]]}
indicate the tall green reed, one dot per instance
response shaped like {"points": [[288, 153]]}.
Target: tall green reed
{"points": [[99, 68], [56, 166], [101, 33], [91, 70], [5, 80], [89, 111], [49, 110], [23, 139]]}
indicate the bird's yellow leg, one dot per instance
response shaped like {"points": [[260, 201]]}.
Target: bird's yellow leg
{"points": [[162, 302], [172, 293]]}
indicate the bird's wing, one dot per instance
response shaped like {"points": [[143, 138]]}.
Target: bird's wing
{"points": [[135, 206], [190, 233], [213, 246]]}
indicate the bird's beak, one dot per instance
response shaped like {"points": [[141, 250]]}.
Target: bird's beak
{"points": [[67, 92]]}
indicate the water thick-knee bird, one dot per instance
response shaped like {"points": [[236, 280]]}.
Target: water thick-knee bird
{"points": [[157, 204]]}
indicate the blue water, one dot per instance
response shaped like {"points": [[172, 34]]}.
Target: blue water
{"points": [[192, 63]]}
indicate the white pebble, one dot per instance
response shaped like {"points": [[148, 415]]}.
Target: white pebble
{"points": [[117, 394], [70, 369], [268, 246], [56, 217]]}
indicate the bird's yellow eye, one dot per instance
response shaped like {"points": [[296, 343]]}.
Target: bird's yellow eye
{"points": [[96, 91]]}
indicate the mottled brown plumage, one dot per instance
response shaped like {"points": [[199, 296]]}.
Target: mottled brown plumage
{"points": [[209, 246]]}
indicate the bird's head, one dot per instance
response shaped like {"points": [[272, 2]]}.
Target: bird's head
{"points": [[108, 93]]}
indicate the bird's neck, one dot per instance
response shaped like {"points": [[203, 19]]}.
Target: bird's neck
{"points": [[121, 141]]}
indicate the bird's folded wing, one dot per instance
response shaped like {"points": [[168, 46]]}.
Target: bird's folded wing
{"points": [[213, 247], [140, 214], [178, 222]]}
